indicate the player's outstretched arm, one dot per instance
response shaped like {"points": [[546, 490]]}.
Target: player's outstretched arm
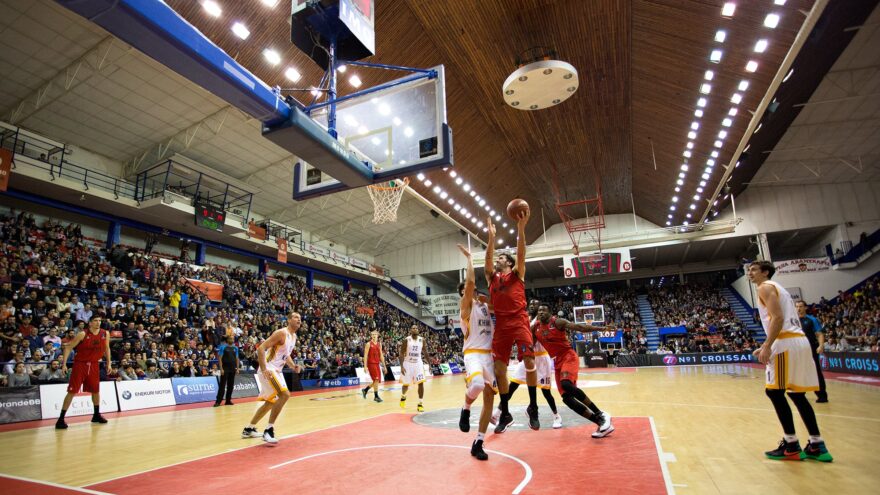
{"points": [[563, 324], [521, 243], [490, 251], [470, 283]]}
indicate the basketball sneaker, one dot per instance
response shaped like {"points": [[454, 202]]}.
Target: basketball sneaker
{"points": [[477, 450], [605, 427], [421, 408], [269, 436], [787, 451], [504, 422], [817, 452], [99, 419], [403, 402], [250, 432], [495, 415], [557, 421], [377, 399], [60, 425], [364, 392], [464, 421], [534, 423]]}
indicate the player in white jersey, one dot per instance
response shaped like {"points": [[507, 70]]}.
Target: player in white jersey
{"points": [[272, 355], [543, 363], [788, 357], [478, 362], [412, 368]]}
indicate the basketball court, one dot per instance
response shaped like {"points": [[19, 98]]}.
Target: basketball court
{"points": [[359, 166], [699, 429]]}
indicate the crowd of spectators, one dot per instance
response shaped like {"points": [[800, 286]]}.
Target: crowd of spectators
{"points": [[710, 322], [852, 322], [52, 280]]}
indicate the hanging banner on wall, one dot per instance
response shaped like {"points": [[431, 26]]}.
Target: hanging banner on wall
{"points": [[338, 257], [282, 250], [358, 263], [442, 305], [803, 265], [5, 168], [212, 290], [256, 232], [315, 249]]}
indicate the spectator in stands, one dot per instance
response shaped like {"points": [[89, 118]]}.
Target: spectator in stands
{"points": [[52, 373], [20, 377]]}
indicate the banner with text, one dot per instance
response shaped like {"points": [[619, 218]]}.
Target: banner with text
{"points": [[803, 265], [339, 382], [359, 264], [857, 363], [143, 394], [52, 398], [282, 250], [256, 232], [245, 386], [195, 389], [631, 360], [315, 249], [212, 290], [441, 305], [19, 404], [5, 168]]}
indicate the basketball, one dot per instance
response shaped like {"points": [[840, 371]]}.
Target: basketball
{"points": [[515, 207]]}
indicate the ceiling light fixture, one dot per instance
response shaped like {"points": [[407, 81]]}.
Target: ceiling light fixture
{"points": [[241, 30], [720, 36], [692, 135], [771, 21], [292, 74], [272, 56], [709, 75], [728, 9], [736, 98], [743, 85], [698, 113], [715, 56], [695, 126], [727, 122], [761, 46], [705, 88], [212, 8], [355, 81], [270, 3], [702, 101], [751, 66]]}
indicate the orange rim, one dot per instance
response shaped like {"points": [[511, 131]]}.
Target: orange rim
{"points": [[405, 181]]}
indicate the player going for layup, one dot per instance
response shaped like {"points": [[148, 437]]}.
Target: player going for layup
{"points": [[373, 357], [479, 366], [545, 371], [272, 355], [552, 333], [412, 368], [788, 356], [86, 375], [508, 295]]}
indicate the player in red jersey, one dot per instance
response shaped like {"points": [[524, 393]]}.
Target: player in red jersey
{"points": [[507, 292], [552, 333], [86, 375], [373, 357]]}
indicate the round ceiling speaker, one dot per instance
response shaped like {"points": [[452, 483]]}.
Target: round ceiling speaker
{"points": [[541, 84]]}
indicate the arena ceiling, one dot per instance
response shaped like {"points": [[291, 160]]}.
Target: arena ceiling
{"points": [[642, 65]]}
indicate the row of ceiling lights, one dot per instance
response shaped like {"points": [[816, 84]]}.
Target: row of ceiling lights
{"points": [[727, 11], [212, 8], [481, 203]]}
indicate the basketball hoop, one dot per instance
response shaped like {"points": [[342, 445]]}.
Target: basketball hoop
{"points": [[386, 198]]}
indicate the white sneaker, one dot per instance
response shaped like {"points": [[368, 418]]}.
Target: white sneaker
{"points": [[495, 415], [557, 421], [605, 428], [269, 436]]}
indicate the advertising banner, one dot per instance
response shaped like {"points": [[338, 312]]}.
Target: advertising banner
{"points": [[315, 249], [245, 386], [339, 382], [256, 232], [52, 397], [440, 305], [679, 330], [395, 370], [455, 368], [435, 370], [629, 360], [362, 375], [5, 168], [358, 263], [19, 404], [803, 265], [339, 257], [857, 363], [445, 369], [212, 290], [143, 394], [195, 389]]}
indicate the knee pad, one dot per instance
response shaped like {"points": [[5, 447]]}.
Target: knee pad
{"points": [[569, 388], [476, 386]]}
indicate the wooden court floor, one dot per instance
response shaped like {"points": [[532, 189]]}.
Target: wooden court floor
{"points": [[712, 424]]}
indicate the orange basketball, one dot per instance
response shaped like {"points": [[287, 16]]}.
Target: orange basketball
{"points": [[516, 207]]}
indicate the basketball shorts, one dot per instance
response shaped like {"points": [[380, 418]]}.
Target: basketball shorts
{"points": [[413, 373], [271, 388], [85, 377], [510, 330], [791, 366], [480, 362], [567, 367], [544, 366], [375, 371]]}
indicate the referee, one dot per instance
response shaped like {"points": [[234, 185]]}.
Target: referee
{"points": [[813, 329], [227, 355]]}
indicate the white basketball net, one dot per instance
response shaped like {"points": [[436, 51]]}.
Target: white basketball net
{"points": [[386, 198]]}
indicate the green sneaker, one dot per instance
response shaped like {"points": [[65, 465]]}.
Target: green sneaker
{"points": [[817, 452]]}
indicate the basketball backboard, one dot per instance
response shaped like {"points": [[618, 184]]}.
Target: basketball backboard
{"points": [[398, 131], [589, 315]]}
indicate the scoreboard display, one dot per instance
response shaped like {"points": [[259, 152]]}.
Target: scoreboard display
{"points": [[605, 263], [209, 216]]}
